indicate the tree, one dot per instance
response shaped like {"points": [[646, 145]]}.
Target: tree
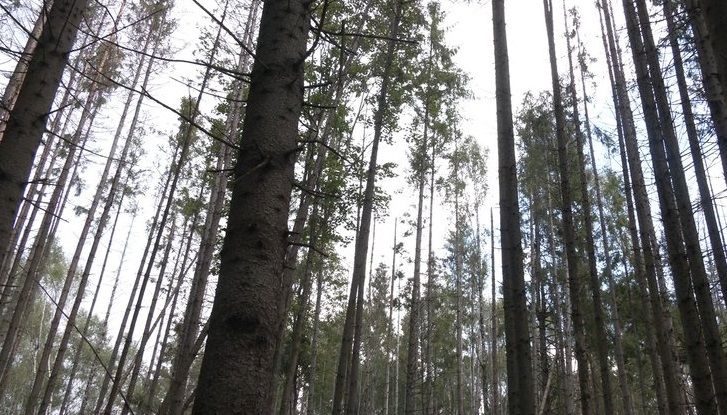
{"points": [[26, 121], [517, 346], [244, 320]]}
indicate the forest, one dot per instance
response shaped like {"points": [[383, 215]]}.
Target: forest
{"points": [[311, 207]]}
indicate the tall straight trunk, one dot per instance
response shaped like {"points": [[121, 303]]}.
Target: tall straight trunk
{"points": [[493, 321], [45, 234], [143, 276], [244, 322], [482, 332], [520, 391], [412, 360], [151, 233], [322, 131], [702, 287], [362, 236], [314, 342], [703, 15], [301, 318], [458, 270], [187, 139], [574, 283], [27, 119], [601, 338], [428, 389], [94, 96], [104, 325], [390, 323], [39, 184], [163, 341], [679, 230], [183, 359], [705, 193], [91, 309], [608, 271], [148, 328], [652, 261], [559, 297]]}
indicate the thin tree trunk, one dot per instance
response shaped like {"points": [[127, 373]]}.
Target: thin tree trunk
{"points": [[652, 262], [412, 361], [572, 259], [45, 234], [601, 338], [27, 119], [314, 341], [84, 332], [677, 230], [300, 319], [493, 321], [362, 236]]}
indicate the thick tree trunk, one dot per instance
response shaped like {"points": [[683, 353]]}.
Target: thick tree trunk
{"points": [[714, 69], [517, 339], [183, 359], [12, 88], [245, 317]]}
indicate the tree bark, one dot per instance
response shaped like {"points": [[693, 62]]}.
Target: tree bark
{"points": [[27, 119], [517, 339], [245, 316]]}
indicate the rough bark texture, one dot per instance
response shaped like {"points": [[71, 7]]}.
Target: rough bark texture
{"points": [[244, 320], [26, 123]]}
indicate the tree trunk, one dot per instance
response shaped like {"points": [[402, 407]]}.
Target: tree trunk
{"points": [[362, 236], [493, 322], [652, 261], [601, 337], [517, 339], [245, 316], [412, 361], [574, 283], [314, 342], [702, 286], [45, 234], [27, 119], [678, 228]]}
